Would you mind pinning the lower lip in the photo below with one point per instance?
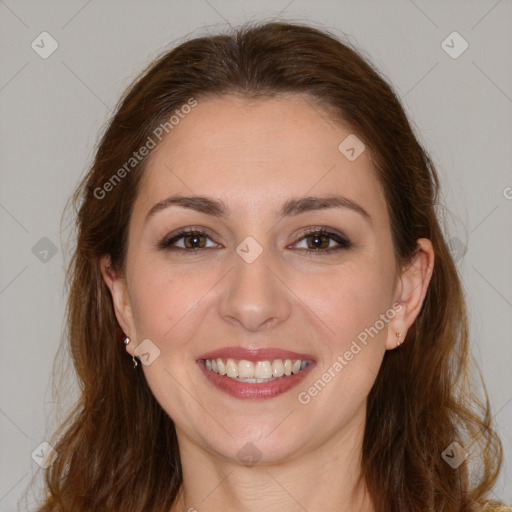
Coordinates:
(257, 390)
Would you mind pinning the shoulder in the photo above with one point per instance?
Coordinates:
(492, 506)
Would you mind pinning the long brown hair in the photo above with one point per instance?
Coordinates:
(117, 450)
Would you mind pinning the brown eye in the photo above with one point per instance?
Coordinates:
(192, 241)
(319, 240)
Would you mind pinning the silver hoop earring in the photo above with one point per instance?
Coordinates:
(135, 363)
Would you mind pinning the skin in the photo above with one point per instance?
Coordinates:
(255, 155)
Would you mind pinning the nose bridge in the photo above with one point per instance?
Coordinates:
(253, 295)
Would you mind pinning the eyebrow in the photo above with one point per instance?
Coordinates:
(292, 207)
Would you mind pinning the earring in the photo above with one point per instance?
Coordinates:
(135, 363)
(398, 335)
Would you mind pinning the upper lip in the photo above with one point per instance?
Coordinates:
(255, 354)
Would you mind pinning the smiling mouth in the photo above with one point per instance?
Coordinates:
(254, 372)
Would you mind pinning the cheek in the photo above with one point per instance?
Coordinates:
(348, 301)
(335, 306)
(163, 300)
(351, 333)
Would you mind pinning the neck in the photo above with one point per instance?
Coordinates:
(324, 478)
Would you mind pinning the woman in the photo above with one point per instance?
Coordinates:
(258, 233)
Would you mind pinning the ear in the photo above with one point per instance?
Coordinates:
(410, 293)
(116, 283)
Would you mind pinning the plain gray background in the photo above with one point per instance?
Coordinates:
(53, 108)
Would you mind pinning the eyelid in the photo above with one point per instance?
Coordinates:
(341, 239)
(181, 233)
(322, 229)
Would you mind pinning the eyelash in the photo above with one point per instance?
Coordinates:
(344, 243)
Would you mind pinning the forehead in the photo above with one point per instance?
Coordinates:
(259, 153)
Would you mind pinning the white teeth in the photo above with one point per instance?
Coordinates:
(246, 369)
(296, 366)
(253, 381)
(221, 366)
(278, 368)
(231, 368)
(263, 370)
(260, 371)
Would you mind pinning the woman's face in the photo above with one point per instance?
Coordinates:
(248, 290)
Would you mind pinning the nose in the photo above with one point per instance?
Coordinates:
(254, 297)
